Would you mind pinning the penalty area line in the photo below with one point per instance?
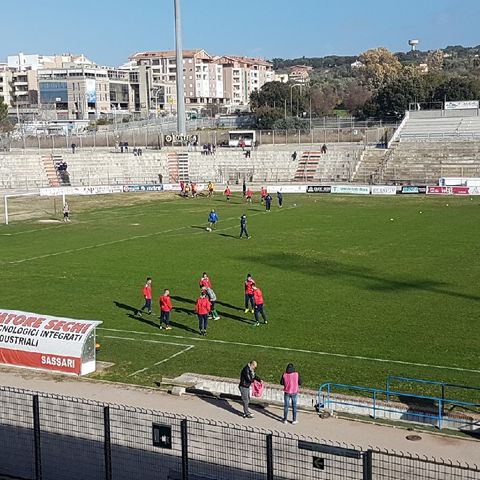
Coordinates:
(300, 350)
(184, 350)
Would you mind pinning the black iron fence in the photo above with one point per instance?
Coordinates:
(53, 437)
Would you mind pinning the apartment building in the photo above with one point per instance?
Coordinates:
(5, 84)
(242, 76)
(80, 93)
(300, 74)
(71, 87)
(202, 76)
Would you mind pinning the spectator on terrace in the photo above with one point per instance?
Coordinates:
(324, 149)
(126, 146)
(135, 151)
(74, 146)
(294, 156)
(122, 146)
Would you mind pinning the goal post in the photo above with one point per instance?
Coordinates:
(10, 196)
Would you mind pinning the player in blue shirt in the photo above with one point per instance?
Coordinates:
(212, 220)
(243, 226)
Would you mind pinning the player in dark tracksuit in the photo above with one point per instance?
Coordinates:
(243, 226)
(268, 202)
(280, 198)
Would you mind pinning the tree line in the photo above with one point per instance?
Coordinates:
(380, 84)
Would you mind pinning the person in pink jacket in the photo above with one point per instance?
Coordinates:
(291, 381)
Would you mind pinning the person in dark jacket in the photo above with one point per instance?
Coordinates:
(243, 226)
(268, 202)
(280, 198)
(291, 381)
(247, 376)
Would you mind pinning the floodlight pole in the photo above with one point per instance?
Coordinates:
(181, 124)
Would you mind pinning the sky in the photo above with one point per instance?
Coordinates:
(109, 31)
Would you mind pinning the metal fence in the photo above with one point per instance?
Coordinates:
(153, 136)
(45, 437)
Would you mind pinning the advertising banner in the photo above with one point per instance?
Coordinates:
(143, 188)
(461, 105)
(173, 138)
(90, 90)
(351, 189)
(171, 187)
(92, 190)
(49, 343)
(439, 190)
(319, 189)
(459, 181)
(287, 188)
(474, 190)
(384, 190)
(411, 189)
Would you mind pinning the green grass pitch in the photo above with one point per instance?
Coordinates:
(351, 296)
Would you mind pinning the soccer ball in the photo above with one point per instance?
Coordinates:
(208, 229)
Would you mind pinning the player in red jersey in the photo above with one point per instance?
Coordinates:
(202, 309)
(249, 195)
(227, 193)
(205, 281)
(258, 299)
(147, 296)
(249, 284)
(165, 309)
(263, 193)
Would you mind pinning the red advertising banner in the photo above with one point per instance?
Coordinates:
(46, 342)
(437, 190)
(58, 363)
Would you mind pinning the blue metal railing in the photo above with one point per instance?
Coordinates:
(443, 385)
(377, 402)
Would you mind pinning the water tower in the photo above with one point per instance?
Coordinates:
(413, 44)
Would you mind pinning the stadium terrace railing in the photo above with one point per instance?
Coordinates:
(45, 436)
(439, 136)
(152, 136)
(379, 403)
(443, 386)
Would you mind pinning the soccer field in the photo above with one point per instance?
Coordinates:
(351, 295)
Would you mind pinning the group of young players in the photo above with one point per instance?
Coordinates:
(187, 189)
(205, 305)
(247, 193)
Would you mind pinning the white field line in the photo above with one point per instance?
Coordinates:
(113, 242)
(300, 350)
(40, 229)
(184, 350)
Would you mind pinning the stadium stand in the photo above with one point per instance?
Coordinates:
(426, 162)
(104, 167)
(443, 128)
(369, 168)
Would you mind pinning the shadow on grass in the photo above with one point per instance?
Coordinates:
(229, 305)
(124, 306)
(227, 235)
(222, 313)
(363, 277)
(181, 326)
(197, 227)
(132, 312)
(231, 316)
(148, 321)
(183, 299)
